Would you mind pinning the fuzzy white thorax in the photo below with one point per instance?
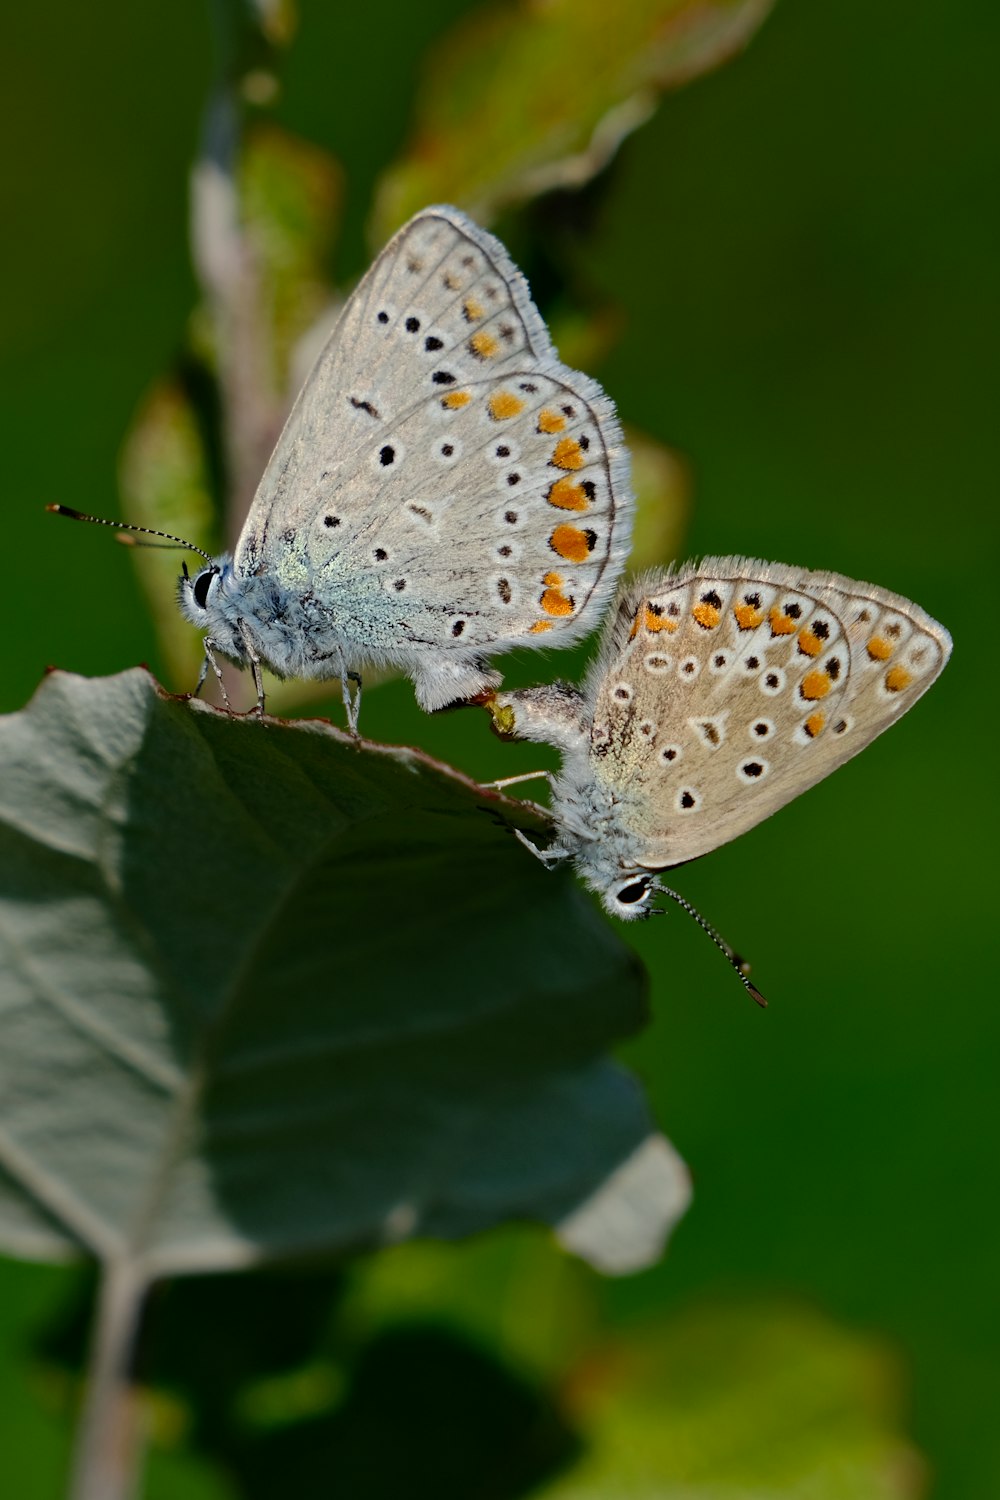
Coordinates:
(588, 812)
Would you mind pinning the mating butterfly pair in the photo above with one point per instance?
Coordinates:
(445, 490)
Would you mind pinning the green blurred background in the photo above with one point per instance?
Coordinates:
(800, 252)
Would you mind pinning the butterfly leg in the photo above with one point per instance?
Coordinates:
(548, 857)
(210, 661)
(258, 683)
(352, 701)
(506, 781)
(254, 659)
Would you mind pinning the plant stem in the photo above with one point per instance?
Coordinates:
(106, 1462)
(226, 262)
(226, 266)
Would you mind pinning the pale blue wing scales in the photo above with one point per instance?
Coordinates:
(443, 480)
(477, 524)
(373, 368)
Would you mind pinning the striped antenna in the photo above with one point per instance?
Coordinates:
(739, 964)
(123, 526)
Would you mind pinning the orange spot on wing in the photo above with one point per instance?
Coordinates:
(483, 344)
(656, 620)
(815, 685)
(814, 724)
(567, 454)
(879, 649)
(635, 625)
(567, 495)
(539, 626)
(707, 615)
(472, 309)
(809, 644)
(898, 678)
(555, 602)
(571, 543)
(781, 624)
(747, 617)
(554, 580)
(550, 421)
(451, 281)
(504, 404)
(455, 399)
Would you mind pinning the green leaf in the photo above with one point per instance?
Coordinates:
(523, 98)
(268, 991)
(731, 1401)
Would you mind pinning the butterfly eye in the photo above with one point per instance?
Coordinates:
(629, 894)
(201, 586)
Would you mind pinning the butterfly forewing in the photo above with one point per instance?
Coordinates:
(723, 693)
(442, 474)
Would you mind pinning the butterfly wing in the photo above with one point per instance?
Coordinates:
(443, 482)
(723, 692)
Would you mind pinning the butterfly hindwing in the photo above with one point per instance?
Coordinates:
(721, 693)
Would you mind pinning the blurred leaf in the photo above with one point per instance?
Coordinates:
(584, 340)
(263, 244)
(743, 1402)
(662, 486)
(166, 485)
(291, 193)
(511, 1291)
(277, 19)
(425, 1414)
(269, 991)
(521, 98)
(248, 1380)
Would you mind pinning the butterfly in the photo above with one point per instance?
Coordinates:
(444, 488)
(719, 693)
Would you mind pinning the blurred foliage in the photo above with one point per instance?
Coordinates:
(526, 97)
(260, 1384)
(173, 472)
(797, 257)
(166, 483)
(743, 1402)
(290, 196)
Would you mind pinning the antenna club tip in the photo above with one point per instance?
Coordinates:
(742, 967)
(739, 963)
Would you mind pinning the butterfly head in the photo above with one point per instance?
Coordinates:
(207, 599)
(199, 587)
(628, 895)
